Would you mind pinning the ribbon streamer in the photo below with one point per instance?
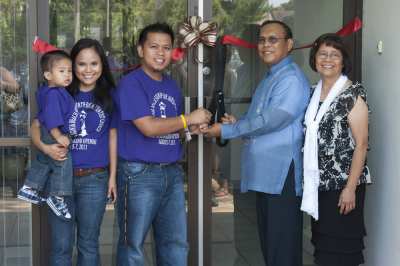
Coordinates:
(233, 40)
(177, 54)
(194, 31)
(353, 26)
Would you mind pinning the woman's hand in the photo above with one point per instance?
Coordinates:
(112, 187)
(347, 200)
(56, 151)
(63, 140)
(112, 190)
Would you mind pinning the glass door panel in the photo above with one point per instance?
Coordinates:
(234, 235)
(14, 75)
(15, 215)
(116, 24)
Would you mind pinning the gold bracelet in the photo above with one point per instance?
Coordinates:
(184, 121)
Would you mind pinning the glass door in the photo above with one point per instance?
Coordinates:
(116, 24)
(222, 228)
(15, 90)
(233, 226)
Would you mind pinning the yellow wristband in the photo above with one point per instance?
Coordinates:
(184, 121)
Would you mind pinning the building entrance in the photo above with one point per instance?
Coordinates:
(221, 221)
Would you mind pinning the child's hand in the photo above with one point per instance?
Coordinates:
(63, 140)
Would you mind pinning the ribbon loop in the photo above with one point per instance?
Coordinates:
(194, 31)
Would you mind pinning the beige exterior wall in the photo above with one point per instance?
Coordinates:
(381, 77)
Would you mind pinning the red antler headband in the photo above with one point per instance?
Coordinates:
(42, 47)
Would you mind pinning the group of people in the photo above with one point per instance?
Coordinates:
(103, 143)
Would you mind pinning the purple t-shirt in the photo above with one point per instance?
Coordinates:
(55, 107)
(91, 125)
(138, 95)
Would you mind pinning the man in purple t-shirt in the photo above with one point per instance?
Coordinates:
(55, 107)
(150, 181)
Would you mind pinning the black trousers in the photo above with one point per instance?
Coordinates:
(280, 225)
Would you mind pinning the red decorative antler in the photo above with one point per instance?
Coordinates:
(42, 47)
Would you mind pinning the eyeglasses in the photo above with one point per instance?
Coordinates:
(270, 40)
(333, 56)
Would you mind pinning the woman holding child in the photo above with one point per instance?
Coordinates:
(93, 156)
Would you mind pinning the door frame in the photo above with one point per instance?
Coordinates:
(351, 9)
(40, 226)
(39, 25)
(199, 213)
(14, 142)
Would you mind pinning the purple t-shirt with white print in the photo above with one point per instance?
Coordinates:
(55, 107)
(91, 124)
(138, 95)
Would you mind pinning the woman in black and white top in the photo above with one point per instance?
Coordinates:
(335, 150)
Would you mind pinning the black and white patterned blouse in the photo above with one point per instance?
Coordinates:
(335, 142)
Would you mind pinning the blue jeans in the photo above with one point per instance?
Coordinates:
(87, 206)
(55, 175)
(151, 194)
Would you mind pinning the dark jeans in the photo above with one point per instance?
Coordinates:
(151, 195)
(280, 225)
(87, 206)
(55, 175)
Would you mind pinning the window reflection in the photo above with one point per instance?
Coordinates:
(14, 77)
(116, 24)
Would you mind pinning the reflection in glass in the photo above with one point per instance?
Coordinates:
(14, 78)
(15, 215)
(116, 24)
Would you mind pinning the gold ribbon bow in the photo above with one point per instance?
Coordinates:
(195, 31)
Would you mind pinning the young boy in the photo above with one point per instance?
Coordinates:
(55, 106)
(150, 183)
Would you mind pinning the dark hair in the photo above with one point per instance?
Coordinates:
(159, 27)
(105, 84)
(286, 28)
(335, 41)
(48, 59)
